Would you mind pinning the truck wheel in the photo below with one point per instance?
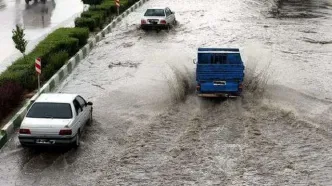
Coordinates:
(27, 1)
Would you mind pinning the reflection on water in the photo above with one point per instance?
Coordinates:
(2, 4)
(38, 14)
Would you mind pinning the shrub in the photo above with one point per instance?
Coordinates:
(67, 40)
(98, 16)
(99, 13)
(81, 34)
(105, 7)
(56, 61)
(63, 39)
(109, 8)
(22, 74)
(56, 43)
(11, 94)
(85, 22)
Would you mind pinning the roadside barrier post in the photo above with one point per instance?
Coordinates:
(117, 3)
(38, 70)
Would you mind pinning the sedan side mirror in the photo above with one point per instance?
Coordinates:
(173, 12)
(89, 103)
(194, 61)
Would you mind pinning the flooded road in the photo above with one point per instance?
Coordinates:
(149, 128)
(37, 18)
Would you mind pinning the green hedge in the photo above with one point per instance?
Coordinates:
(63, 39)
(105, 7)
(108, 6)
(97, 15)
(22, 74)
(56, 62)
(85, 22)
(68, 40)
(91, 20)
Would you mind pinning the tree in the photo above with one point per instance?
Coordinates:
(18, 38)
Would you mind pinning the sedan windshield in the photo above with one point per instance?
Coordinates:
(50, 110)
(155, 12)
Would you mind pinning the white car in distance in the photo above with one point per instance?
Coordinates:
(55, 119)
(158, 18)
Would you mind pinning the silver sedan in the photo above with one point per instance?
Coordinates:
(55, 119)
(158, 18)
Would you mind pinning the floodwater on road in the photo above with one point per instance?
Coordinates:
(37, 18)
(149, 127)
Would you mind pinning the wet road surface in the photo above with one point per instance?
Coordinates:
(37, 18)
(150, 129)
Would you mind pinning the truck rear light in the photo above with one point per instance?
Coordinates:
(25, 131)
(240, 87)
(65, 132)
(198, 87)
(163, 22)
(143, 22)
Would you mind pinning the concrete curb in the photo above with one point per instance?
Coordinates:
(9, 129)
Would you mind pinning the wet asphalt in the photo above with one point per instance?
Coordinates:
(37, 18)
(149, 128)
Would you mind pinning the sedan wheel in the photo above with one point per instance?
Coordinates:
(77, 142)
(90, 119)
(23, 145)
(168, 27)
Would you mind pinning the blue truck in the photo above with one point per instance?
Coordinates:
(219, 72)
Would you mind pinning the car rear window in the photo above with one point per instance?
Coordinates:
(50, 110)
(155, 12)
